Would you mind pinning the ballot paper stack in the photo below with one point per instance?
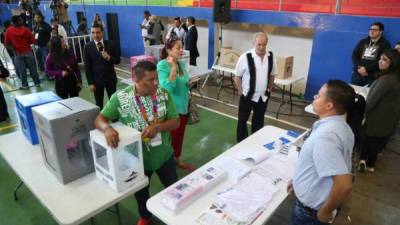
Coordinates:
(184, 192)
(247, 199)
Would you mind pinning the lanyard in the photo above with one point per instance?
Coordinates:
(143, 109)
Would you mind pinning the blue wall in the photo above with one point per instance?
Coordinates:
(334, 35)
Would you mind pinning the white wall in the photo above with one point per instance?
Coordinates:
(283, 41)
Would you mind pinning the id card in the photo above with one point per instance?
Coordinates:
(156, 141)
(36, 36)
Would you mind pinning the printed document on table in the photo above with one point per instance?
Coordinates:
(235, 169)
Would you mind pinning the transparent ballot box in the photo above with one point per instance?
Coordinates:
(122, 167)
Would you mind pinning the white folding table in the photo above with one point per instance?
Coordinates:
(189, 214)
(69, 204)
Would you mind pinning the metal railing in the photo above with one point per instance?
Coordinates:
(77, 45)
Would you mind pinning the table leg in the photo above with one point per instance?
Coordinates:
(205, 81)
(118, 214)
(16, 189)
(290, 98)
(282, 101)
(221, 83)
(233, 84)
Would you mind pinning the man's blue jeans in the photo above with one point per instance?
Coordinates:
(23, 62)
(303, 215)
(41, 55)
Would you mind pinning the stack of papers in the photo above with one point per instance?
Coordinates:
(235, 169)
(181, 194)
(277, 167)
(244, 201)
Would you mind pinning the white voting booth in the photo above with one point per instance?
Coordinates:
(122, 167)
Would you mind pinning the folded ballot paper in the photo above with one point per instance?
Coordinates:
(244, 201)
(184, 192)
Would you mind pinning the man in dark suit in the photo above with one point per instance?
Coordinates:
(191, 40)
(100, 57)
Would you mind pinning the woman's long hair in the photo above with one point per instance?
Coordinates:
(56, 50)
(394, 57)
(345, 100)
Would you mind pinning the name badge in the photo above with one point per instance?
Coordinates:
(156, 141)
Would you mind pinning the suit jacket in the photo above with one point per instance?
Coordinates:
(191, 42)
(382, 110)
(98, 70)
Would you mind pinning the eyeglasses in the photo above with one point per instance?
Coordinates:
(374, 29)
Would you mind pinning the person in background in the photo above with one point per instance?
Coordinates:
(191, 40)
(3, 104)
(382, 111)
(60, 30)
(61, 65)
(82, 27)
(178, 30)
(19, 38)
(10, 52)
(149, 109)
(3, 107)
(366, 55)
(97, 20)
(397, 46)
(100, 56)
(154, 31)
(323, 180)
(255, 74)
(145, 26)
(42, 31)
(174, 77)
(26, 13)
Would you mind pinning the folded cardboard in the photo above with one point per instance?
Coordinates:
(63, 130)
(122, 167)
(228, 57)
(24, 104)
(284, 66)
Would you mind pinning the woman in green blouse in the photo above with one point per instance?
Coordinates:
(174, 77)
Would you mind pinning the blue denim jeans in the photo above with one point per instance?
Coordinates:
(23, 62)
(304, 216)
(41, 55)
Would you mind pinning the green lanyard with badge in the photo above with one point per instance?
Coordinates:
(157, 140)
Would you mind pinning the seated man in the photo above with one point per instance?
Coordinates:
(149, 109)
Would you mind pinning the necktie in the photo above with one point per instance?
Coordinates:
(100, 46)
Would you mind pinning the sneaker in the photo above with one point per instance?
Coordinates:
(362, 166)
(37, 85)
(24, 87)
(143, 221)
(371, 169)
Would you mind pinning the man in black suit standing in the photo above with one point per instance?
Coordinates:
(191, 40)
(100, 57)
